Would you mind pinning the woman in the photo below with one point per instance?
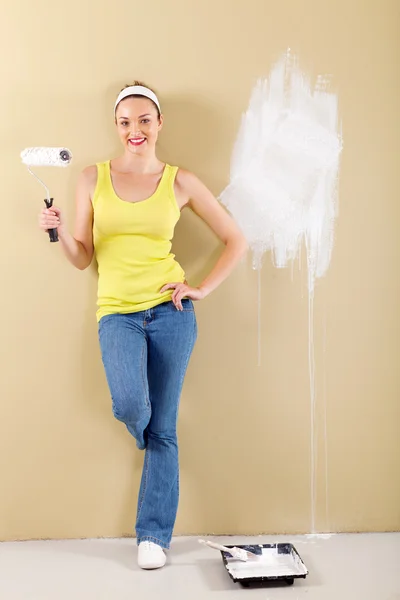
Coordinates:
(126, 211)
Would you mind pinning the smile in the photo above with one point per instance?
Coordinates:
(136, 141)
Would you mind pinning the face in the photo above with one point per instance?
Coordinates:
(138, 124)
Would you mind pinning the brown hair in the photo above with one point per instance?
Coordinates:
(140, 96)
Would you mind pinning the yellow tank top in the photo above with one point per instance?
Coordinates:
(132, 242)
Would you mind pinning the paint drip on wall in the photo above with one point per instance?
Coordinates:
(283, 182)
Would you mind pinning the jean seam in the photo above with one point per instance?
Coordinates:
(146, 394)
(146, 470)
(189, 353)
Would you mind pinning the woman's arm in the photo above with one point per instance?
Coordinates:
(205, 205)
(77, 248)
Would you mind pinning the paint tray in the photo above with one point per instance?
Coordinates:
(276, 562)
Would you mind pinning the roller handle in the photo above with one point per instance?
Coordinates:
(53, 235)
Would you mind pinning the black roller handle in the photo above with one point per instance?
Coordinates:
(53, 234)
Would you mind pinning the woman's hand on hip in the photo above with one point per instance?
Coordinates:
(182, 290)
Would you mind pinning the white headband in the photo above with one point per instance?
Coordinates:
(139, 90)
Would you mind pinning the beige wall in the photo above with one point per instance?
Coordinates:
(67, 468)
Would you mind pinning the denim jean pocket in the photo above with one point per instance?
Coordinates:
(103, 321)
(187, 305)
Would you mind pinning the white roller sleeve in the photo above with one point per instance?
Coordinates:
(46, 157)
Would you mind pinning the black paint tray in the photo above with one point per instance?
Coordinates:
(277, 562)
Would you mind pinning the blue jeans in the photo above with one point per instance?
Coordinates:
(145, 356)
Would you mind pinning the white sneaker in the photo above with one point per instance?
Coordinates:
(151, 556)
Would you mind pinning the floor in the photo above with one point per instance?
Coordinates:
(341, 567)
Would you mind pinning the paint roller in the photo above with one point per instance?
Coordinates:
(46, 157)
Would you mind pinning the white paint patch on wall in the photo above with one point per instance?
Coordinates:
(283, 184)
(284, 169)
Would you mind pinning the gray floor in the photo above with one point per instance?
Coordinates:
(341, 567)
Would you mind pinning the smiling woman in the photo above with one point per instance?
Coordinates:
(126, 212)
(138, 129)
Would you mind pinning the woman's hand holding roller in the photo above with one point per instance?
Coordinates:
(51, 218)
